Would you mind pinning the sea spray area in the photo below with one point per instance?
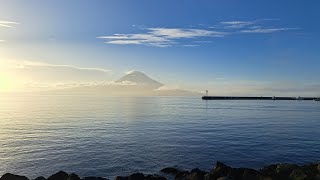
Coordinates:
(219, 172)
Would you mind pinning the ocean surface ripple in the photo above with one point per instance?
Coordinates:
(109, 136)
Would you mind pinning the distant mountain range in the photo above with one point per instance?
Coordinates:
(134, 83)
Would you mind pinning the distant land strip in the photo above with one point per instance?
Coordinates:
(258, 98)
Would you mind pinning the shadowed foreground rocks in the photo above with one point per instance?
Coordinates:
(219, 172)
(272, 172)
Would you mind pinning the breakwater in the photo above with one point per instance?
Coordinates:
(219, 172)
(258, 98)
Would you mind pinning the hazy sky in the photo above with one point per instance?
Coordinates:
(262, 47)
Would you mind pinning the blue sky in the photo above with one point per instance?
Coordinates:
(196, 45)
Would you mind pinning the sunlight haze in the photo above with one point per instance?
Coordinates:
(47, 45)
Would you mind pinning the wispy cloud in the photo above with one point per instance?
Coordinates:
(244, 24)
(175, 33)
(26, 64)
(161, 37)
(46, 72)
(7, 24)
(237, 24)
(266, 30)
(191, 45)
(191, 37)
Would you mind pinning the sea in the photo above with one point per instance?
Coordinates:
(109, 136)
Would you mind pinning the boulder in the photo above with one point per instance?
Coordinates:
(311, 170)
(94, 178)
(283, 171)
(182, 175)
(154, 177)
(269, 170)
(73, 177)
(61, 175)
(196, 174)
(297, 174)
(121, 178)
(40, 178)
(134, 176)
(251, 174)
(235, 173)
(9, 176)
(170, 170)
(222, 178)
(220, 170)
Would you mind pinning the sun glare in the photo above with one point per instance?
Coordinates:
(4, 84)
(7, 83)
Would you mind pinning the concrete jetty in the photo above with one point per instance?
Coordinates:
(258, 98)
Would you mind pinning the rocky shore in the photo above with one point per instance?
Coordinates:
(219, 172)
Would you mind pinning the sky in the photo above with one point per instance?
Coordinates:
(228, 47)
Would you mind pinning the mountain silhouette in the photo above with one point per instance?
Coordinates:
(134, 83)
(140, 79)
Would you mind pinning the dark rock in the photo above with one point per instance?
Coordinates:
(181, 175)
(61, 175)
(154, 177)
(288, 171)
(235, 173)
(40, 178)
(9, 176)
(269, 171)
(136, 176)
(73, 177)
(311, 170)
(196, 174)
(297, 174)
(121, 178)
(284, 170)
(220, 170)
(208, 176)
(196, 170)
(222, 178)
(251, 174)
(170, 170)
(94, 178)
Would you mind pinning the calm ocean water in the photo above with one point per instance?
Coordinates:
(106, 136)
